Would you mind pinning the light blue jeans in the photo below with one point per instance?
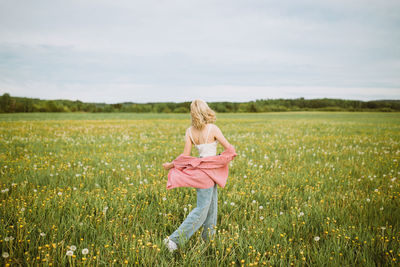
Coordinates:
(205, 214)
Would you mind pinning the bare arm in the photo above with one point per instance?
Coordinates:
(188, 145)
(221, 138)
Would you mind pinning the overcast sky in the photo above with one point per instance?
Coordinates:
(155, 51)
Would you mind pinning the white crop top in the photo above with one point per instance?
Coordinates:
(206, 149)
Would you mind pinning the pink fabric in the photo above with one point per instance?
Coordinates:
(200, 172)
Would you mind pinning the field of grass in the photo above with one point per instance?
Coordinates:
(306, 189)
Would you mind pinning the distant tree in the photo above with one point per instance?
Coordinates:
(5, 102)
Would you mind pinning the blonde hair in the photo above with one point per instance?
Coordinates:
(201, 114)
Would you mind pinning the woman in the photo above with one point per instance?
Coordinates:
(205, 136)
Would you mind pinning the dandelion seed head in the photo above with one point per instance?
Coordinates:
(70, 253)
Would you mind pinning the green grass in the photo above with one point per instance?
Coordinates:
(95, 181)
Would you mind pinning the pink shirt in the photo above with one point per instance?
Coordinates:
(196, 172)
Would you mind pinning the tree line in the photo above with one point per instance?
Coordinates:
(10, 104)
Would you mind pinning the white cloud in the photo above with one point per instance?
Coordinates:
(173, 44)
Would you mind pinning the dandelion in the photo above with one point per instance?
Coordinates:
(254, 202)
(316, 238)
(245, 176)
(70, 253)
(252, 191)
(164, 198)
(281, 213)
(59, 193)
(301, 214)
(184, 209)
(105, 209)
(6, 239)
(261, 218)
(73, 248)
(5, 190)
(232, 203)
(225, 202)
(42, 234)
(376, 190)
(368, 200)
(22, 209)
(261, 207)
(5, 255)
(85, 251)
(11, 238)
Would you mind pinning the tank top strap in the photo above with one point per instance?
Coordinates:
(190, 134)
(208, 132)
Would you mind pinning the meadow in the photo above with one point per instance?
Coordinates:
(306, 189)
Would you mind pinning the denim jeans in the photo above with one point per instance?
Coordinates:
(205, 214)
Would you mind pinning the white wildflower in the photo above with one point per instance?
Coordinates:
(70, 253)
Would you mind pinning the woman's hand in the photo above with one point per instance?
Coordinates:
(168, 165)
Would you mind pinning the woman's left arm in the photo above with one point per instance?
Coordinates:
(188, 144)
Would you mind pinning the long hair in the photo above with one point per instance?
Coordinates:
(201, 114)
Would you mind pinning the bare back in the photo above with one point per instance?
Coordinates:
(209, 134)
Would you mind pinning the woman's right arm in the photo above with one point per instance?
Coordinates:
(221, 138)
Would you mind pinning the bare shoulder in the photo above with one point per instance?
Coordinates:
(187, 132)
(215, 128)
